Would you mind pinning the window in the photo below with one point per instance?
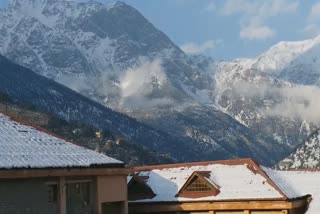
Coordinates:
(52, 193)
(80, 191)
(197, 186)
(73, 189)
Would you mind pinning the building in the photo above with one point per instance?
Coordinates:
(42, 173)
(216, 187)
(300, 182)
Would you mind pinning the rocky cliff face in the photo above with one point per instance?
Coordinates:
(306, 155)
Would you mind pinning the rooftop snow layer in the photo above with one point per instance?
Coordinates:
(236, 181)
(298, 183)
(23, 146)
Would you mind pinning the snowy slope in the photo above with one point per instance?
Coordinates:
(90, 47)
(283, 58)
(274, 93)
(27, 88)
(306, 156)
(109, 54)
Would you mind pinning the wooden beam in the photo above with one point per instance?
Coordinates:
(36, 173)
(299, 203)
(62, 191)
(205, 206)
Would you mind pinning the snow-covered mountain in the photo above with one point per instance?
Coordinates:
(306, 156)
(113, 55)
(27, 88)
(284, 59)
(94, 48)
(274, 94)
(290, 61)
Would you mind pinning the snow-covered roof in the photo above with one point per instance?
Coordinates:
(297, 183)
(24, 146)
(237, 180)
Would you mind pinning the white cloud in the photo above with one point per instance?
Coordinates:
(144, 87)
(140, 87)
(256, 32)
(292, 101)
(194, 48)
(254, 15)
(137, 81)
(298, 102)
(313, 21)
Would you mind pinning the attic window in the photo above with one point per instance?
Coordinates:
(199, 185)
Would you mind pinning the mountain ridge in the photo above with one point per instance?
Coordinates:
(115, 56)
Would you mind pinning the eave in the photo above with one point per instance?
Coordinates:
(36, 173)
(158, 207)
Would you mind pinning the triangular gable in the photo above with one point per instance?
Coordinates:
(198, 185)
(138, 188)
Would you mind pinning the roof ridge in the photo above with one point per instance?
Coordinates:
(240, 161)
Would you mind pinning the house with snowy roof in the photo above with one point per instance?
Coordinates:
(220, 187)
(42, 173)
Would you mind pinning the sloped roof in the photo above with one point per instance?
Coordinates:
(297, 183)
(237, 180)
(24, 146)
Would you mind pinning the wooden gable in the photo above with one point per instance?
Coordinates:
(198, 185)
(138, 189)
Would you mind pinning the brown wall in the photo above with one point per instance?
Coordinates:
(112, 189)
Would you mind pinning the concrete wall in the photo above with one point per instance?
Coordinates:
(30, 196)
(21, 196)
(112, 189)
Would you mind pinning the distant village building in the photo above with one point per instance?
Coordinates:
(221, 187)
(43, 174)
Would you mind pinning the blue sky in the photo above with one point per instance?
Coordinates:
(228, 29)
